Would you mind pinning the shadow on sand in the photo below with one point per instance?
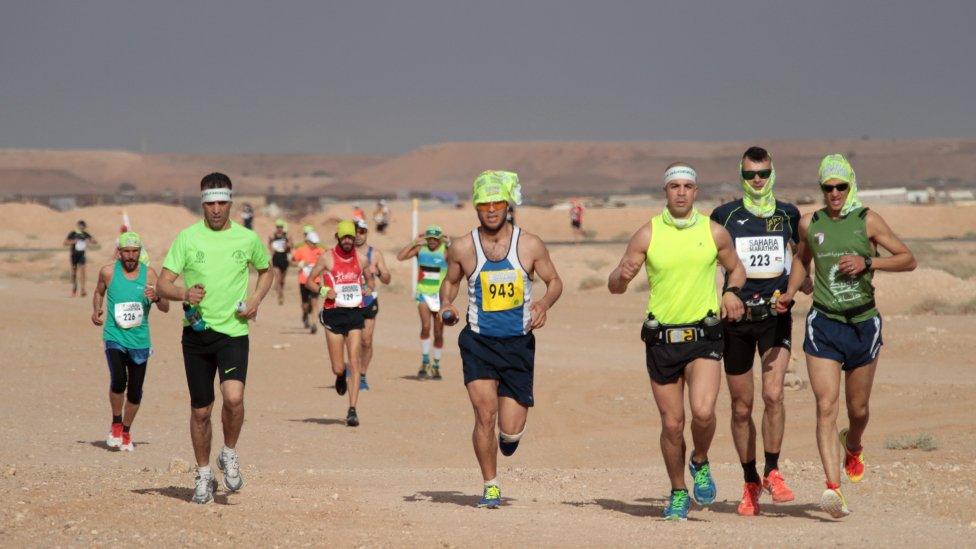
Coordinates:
(182, 493)
(104, 445)
(655, 508)
(451, 496)
(321, 420)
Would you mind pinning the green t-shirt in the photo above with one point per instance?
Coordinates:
(218, 260)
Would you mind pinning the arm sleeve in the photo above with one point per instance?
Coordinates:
(176, 256)
(259, 255)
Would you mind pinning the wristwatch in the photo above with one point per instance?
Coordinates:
(867, 263)
(733, 289)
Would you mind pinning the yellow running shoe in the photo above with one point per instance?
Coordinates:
(833, 503)
(853, 461)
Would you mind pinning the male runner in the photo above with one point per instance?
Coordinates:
(576, 218)
(78, 241)
(131, 289)
(342, 269)
(306, 256)
(279, 245)
(499, 261)
(371, 304)
(247, 216)
(381, 216)
(843, 331)
(764, 232)
(213, 256)
(430, 249)
(683, 333)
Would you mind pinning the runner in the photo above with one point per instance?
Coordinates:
(131, 289)
(279, 245)
(843, 331)
(358, 213)
(764, 232)
(247, 216)
(77, 241)
(213, 257)
(683, 334)
(306, 256)
(430, 249)
(381, 216)
(342, 270)
(499, 261)
(371, 305)
(576, 218)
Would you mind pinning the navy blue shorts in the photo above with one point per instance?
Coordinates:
(510, 360)
(853, 345)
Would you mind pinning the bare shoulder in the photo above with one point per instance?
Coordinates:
(719, 233)
(461, 245)
(531, 242)
(106, 271)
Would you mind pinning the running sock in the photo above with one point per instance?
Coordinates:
(492, 482)
(749, 472)
(697, 464)
(676, 490)
(125, 428)
(205, 471)
(425, 347)
(437, 353)
(833, 485)
(116, 419)
(226, 450)
(772, 462)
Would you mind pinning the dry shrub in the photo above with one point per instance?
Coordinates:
(921, 441)
(591, 282)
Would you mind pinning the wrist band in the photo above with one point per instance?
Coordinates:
(733, 289)
(323, 291)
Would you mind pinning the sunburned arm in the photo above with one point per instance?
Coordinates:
(631, 262)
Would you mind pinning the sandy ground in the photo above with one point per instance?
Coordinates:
(589, 471)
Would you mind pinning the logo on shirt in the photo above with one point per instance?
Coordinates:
(741, 221)
(774, 224)
(239, 256)
(819, 237)
(198, 257)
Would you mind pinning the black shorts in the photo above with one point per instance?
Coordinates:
(307, 295)
(666, 361)
(280, 261)
(743, 338)
(342, 320)
(510, 360)
(853, 345)
(78, 258)
(381, 226)
(207, 353)
(370, 311)
(576, 223)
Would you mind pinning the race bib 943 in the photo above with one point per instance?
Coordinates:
(502, 290)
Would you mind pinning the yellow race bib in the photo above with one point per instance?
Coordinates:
(501, 290)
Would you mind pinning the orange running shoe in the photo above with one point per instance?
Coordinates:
(127, 444)
(114, 439)
(776, 486)
(749, 506)
(853, 461)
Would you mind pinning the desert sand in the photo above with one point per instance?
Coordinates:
(588, 473)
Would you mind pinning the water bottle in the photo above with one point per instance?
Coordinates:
(772, 303)
(193, 318)
(711, 319)
(651, 323)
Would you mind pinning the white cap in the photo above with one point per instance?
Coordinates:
(312, 237)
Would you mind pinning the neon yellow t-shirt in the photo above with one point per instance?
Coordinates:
(218, 260)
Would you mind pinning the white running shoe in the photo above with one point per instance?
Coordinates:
(114, 439)
(229, 463)
(833, 502)
(127, 444)
(205, 487)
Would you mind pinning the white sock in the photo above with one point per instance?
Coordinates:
(205, 471)
(511, 438)
(425, 346)
(437, 353)
(492, 482)
(229, 451)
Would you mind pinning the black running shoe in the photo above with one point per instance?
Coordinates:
(340, 384)
(507, 448)
(352, 420)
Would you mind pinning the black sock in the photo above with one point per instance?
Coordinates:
(125, 428)
(116, 419)
(675, 490)
(749, 472)
(772, 462)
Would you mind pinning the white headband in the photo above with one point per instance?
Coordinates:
(215, 195)
(680, 172)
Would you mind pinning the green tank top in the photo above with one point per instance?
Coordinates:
(681, 268)
(432, 268)
(829, 239)
(127, 310)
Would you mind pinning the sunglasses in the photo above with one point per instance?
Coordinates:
(489, 206)
(750, 174)
(830, 188)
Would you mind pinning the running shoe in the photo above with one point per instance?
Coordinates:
(853, 461)
(114, 439)
(704, 484)
(313, 328)
(492, 497)
(435, 372)
(230, 464)
(341, 385)
(422, 372)
(352, 419)
(507, 448)
(749, 506)
(833, 503)
(127, 444)
(677, 508)
(363, 385)
(305, 322)
(775, 484)
(203, 491)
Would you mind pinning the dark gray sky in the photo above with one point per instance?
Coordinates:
(385, 77)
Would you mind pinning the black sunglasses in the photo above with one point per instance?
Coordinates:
(830, 188)
(750, 174)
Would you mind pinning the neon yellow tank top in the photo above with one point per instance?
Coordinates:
(681, 269)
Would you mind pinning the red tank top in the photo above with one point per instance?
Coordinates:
(345, 279)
